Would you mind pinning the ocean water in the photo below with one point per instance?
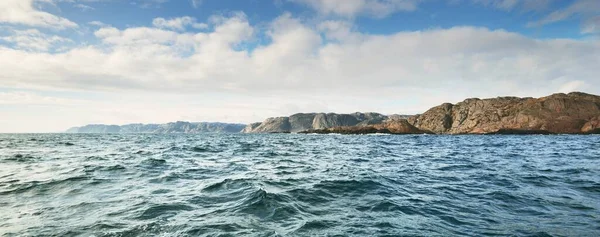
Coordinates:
(298, 185)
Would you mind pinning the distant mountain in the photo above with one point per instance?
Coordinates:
(175, 127)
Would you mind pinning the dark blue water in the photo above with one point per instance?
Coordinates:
(299, 185)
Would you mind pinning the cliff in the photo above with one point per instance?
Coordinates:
(175, 127)
(310, 121)
(398, 126)
(573, 113)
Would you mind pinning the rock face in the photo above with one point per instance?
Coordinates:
(592, 126)
(311, 121)
(273, 125)
(401, 126)
(398, 126)
(176, 127)
(572, 113)
(250, 127)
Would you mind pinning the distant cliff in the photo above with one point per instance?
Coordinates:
(313, 121)
(175, 127)
(573, 113)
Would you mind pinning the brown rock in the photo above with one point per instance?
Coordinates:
(399, 126)
(592, 126)
(559, 113)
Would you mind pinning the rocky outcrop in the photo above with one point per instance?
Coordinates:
(310, 121)
(401, 126)
(175, 127)
(572, 113)
(397, 126)
(520, 132)
(592, 126)
(250, 127)
(273, 125)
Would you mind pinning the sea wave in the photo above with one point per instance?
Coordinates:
(298, 185)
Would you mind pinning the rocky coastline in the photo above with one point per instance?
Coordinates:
(572, 113)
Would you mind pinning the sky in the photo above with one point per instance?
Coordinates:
(67, 63)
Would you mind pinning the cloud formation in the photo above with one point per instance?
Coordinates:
(509, 5)
(383, 8)
(351, 8)
(196, 3)
(588, 10)
(23, 12)
(179, 23)
(33, 40)
(298, 59)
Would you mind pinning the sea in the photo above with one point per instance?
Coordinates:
(299, 185)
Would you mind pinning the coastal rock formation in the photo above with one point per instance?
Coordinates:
(401, 126)
(175, 127)
(572, 113)
(592, 126)
(273, 125)
(310, 121)
(398, 126)
(250, 127)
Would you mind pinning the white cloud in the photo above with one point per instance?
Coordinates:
(196, 3)
(351, 8)
(201, 26)
(297, 59)
(23, 12)
(502, 4)
(523, 5)
(84, 7)
(149, 3)
(324, 67)
(34, 40)
(588, 10)
(97, 23)
(179, 23)
(338, 30)
(383, 8)
(591, 25)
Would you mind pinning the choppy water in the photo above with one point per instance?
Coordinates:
(299, 185)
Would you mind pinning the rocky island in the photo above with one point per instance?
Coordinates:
(573, 113)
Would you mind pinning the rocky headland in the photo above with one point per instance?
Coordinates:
(573, 113)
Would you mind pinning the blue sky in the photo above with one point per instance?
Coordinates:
(74, 62)
(427, 15)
